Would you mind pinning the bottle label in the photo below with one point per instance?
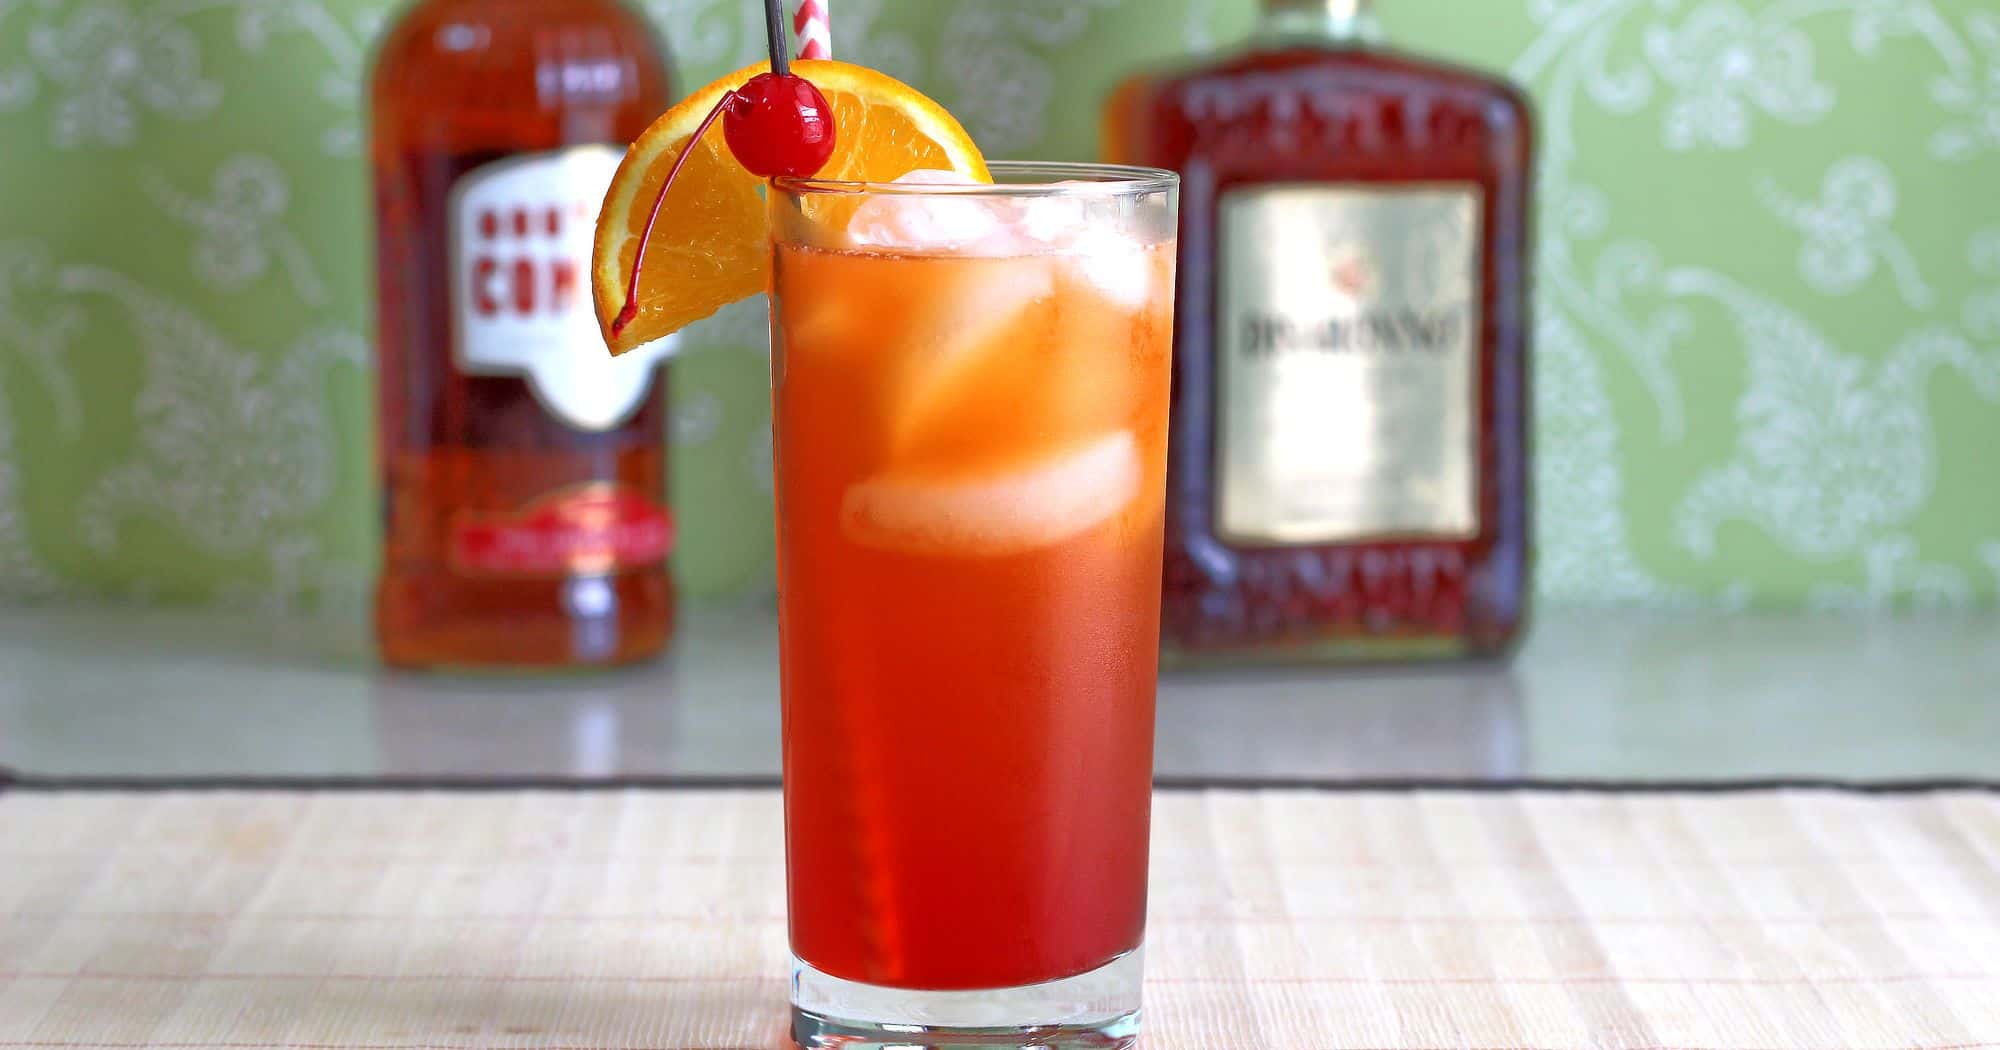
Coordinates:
(590, 530)
(1347, 363)
(521, 234)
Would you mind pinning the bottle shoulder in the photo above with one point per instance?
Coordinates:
(1257, 71)
(498, 76)
(1329, 106)
(458, 41)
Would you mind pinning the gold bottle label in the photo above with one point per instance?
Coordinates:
(1347, 363)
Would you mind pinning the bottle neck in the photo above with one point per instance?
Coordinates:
(1341, 23)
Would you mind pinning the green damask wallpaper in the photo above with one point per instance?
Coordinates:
(1769, 348)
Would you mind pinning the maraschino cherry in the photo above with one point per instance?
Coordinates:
(777, 125)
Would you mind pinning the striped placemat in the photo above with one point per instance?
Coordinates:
(1281, 919)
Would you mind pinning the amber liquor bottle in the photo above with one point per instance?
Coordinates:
(525, 505)
(1349, 465)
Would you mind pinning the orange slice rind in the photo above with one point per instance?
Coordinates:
(710, 247)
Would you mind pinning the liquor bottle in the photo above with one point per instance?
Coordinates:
(1348, 475)
(526, 518)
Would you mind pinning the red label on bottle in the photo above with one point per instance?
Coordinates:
(590, 530)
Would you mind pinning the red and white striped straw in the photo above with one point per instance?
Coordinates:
(815, 34)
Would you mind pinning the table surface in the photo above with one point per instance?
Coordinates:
(1602, 695)
(1279, 919)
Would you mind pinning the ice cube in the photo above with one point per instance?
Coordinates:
(929, 222)
(962, 350)
(1048, 222)
(1012, 512)
(1088, 235)
(1117, 265)
(1101, 254)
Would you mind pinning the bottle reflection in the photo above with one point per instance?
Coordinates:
(1461, 722)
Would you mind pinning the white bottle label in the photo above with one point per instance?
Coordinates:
(521, 232)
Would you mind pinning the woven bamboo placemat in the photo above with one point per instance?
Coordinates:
(1281, 919)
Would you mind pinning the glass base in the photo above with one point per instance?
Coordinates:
(1092, 1010)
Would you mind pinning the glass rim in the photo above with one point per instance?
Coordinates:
(1037, 179)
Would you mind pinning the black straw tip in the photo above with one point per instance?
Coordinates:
(774, 24)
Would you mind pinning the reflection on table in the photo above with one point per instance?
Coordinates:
(1617, 695)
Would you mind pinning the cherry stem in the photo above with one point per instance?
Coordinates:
(774, 27)
(631, 308)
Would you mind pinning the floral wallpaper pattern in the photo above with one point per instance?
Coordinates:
(1768, 362)
(1814, 417)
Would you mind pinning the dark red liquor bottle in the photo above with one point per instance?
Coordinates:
(526, 521)
(1348, 472)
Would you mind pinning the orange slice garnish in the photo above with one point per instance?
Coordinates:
(710, 246)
